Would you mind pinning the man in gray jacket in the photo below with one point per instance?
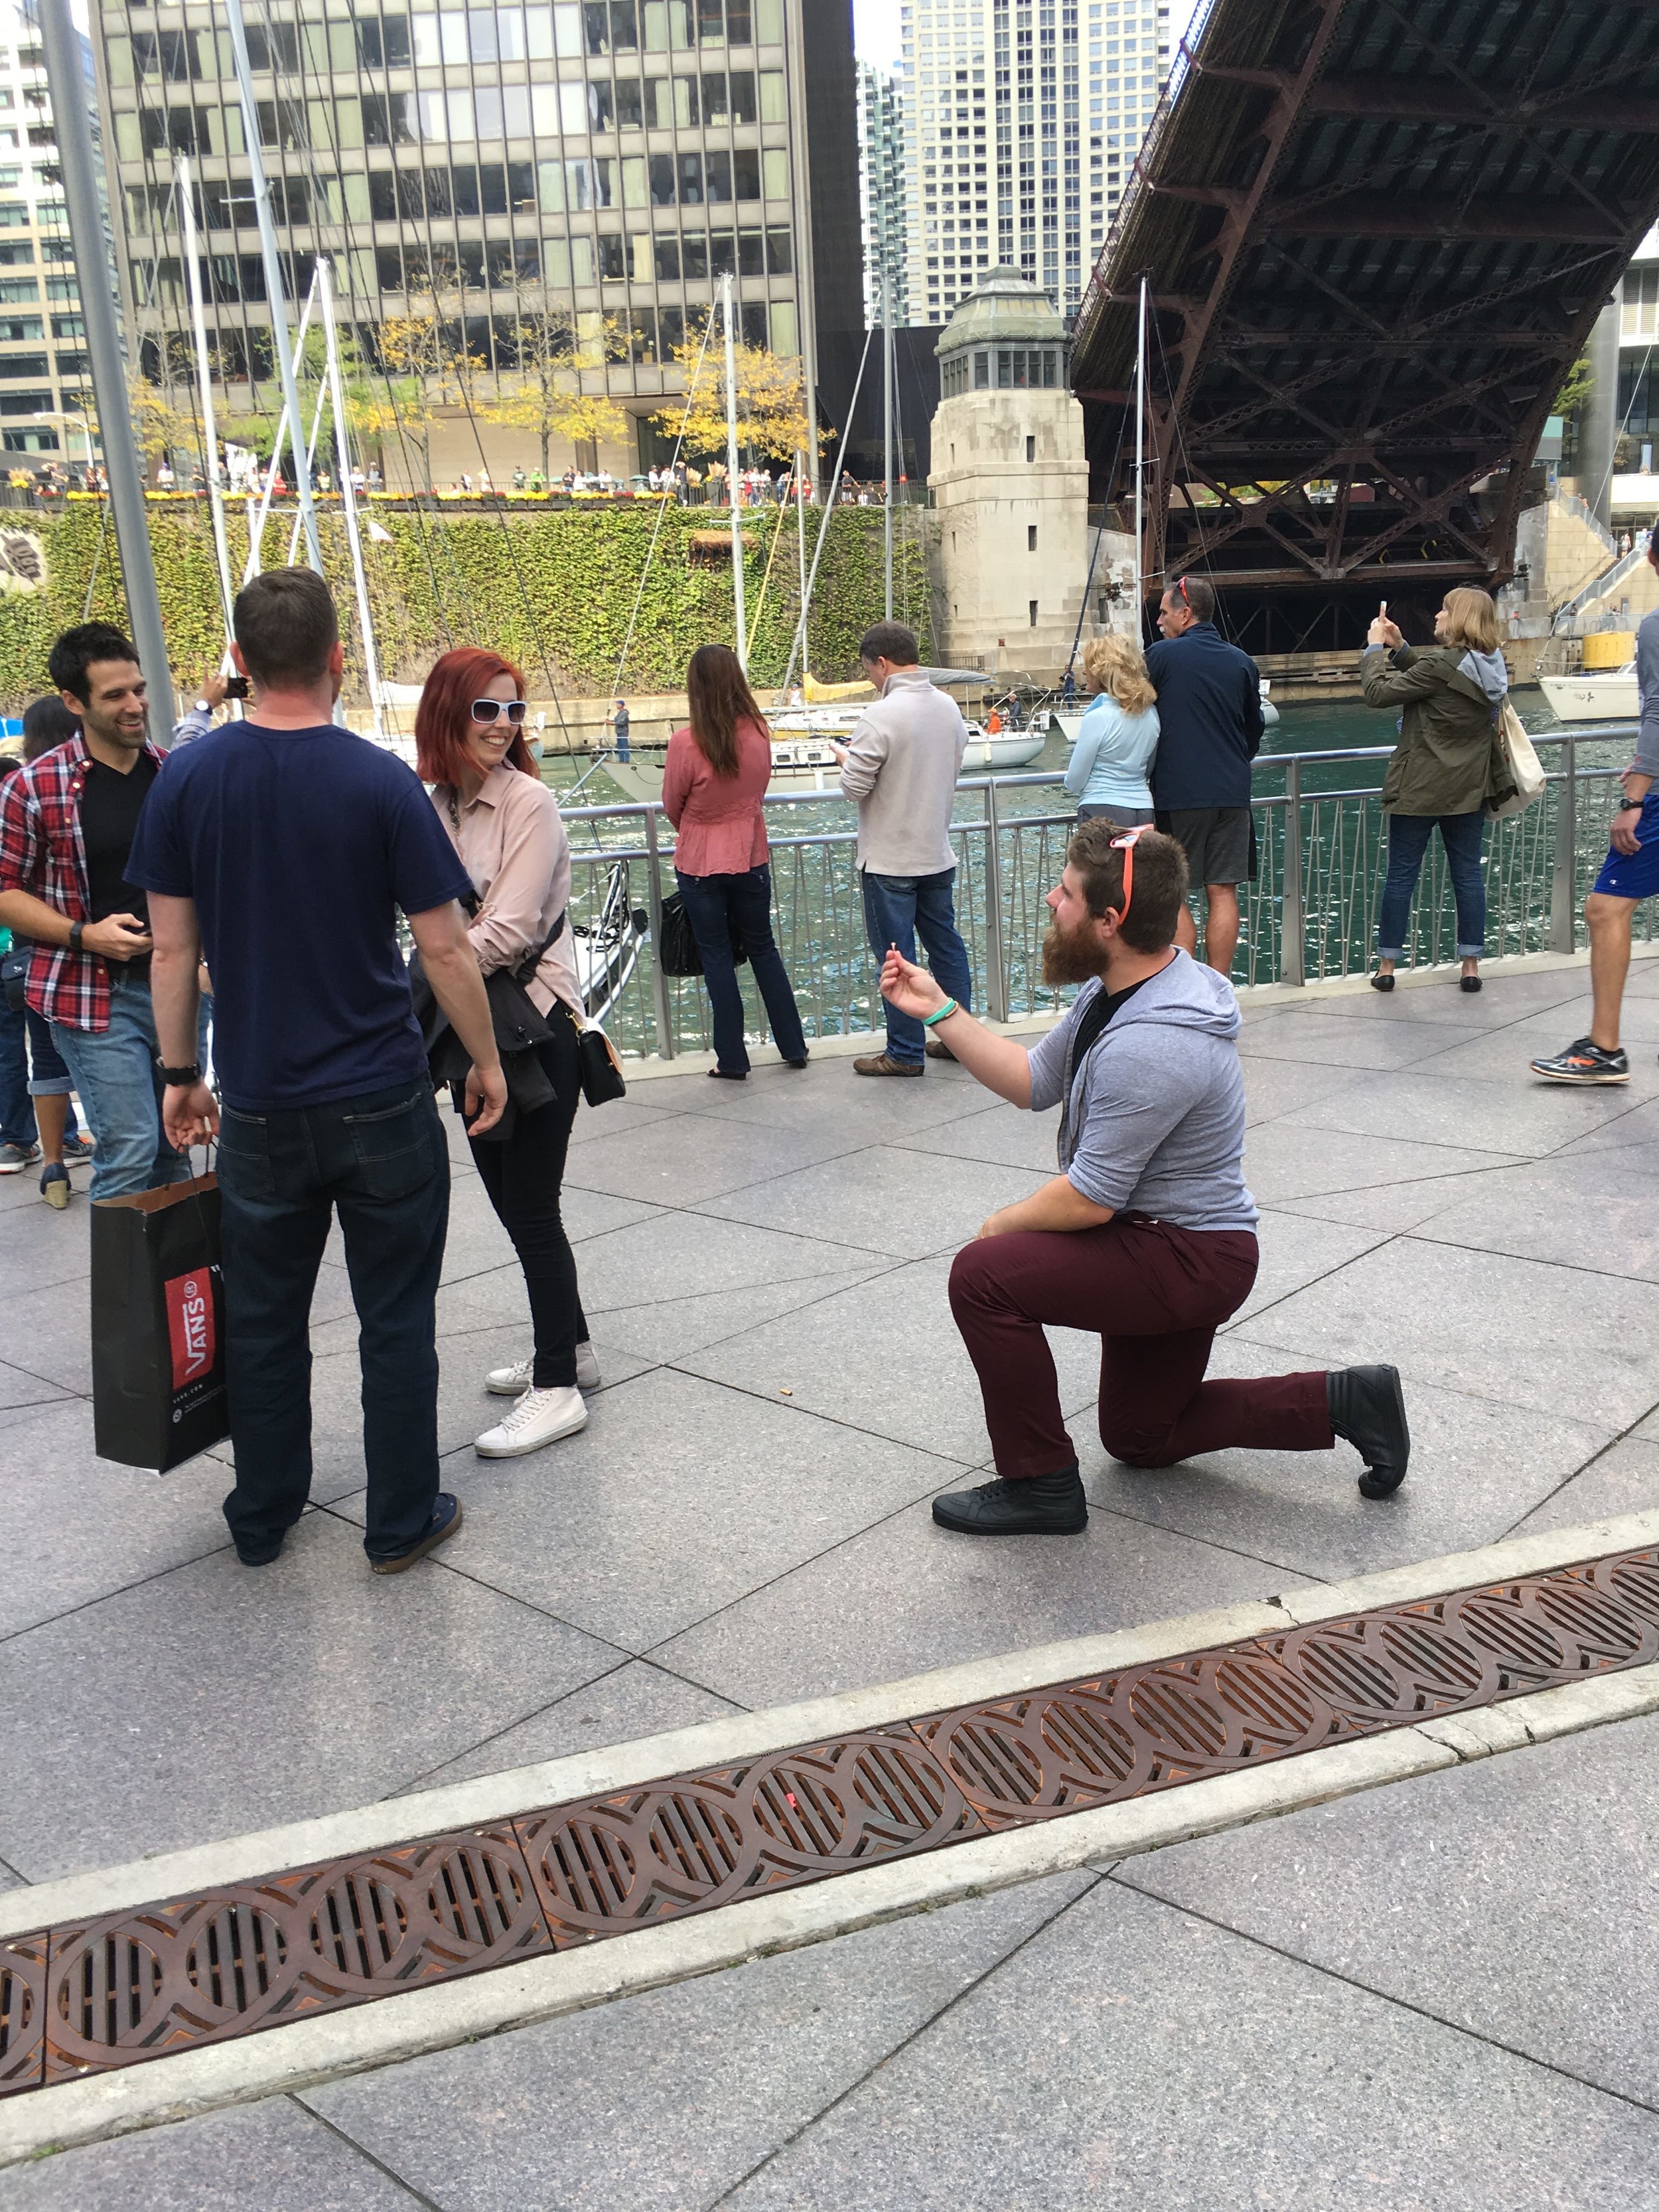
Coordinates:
(1148, 1234)
(901, 771)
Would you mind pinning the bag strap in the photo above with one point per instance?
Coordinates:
(525, 972)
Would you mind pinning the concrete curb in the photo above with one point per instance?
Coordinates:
(282, 2060)
(492, 1797)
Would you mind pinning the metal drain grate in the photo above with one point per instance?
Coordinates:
(85, 1999)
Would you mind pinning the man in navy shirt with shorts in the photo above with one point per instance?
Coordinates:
(1629, 874)
(282, 847)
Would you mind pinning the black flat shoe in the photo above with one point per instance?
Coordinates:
(1368, 1408)
(729, 1074)
(1382, 982)
(1043, 1505)
(801, 1062)
(1468, 982)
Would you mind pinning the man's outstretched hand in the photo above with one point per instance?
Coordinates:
(910, 988)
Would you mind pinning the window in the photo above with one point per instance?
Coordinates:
(1031, 538)
(1033, 614)
(1030, 450)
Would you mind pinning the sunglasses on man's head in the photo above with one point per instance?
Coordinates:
(1125, 845)
(491, 710)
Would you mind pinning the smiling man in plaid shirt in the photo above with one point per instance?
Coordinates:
(66, 829)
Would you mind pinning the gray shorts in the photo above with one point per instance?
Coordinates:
(1219, 843)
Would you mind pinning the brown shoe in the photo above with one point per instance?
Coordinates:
(938, 1049)
(882, 1063)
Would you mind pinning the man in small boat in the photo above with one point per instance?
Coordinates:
(901, 772)
(1146, 1235)
(1629, 874)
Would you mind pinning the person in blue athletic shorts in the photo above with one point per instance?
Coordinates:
(1629, 874)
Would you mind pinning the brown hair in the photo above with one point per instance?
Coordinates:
(1114, 665)
(890, 641)
(1471, 618)
(285, 624)
(1159, 885)
(1193, 592)
(721, 699)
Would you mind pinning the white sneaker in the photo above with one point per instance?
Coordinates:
(513, 1381)
(541, 1417)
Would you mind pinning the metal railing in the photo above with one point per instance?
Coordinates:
(1310, 913)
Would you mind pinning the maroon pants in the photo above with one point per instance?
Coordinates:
(1157, 1294)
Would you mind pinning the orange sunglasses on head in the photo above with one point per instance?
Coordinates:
(1125, 845)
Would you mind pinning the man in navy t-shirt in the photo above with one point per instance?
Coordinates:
(282, 847)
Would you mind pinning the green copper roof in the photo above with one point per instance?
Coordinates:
(1006, 306)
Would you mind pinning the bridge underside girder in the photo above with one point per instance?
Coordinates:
(1376, 234)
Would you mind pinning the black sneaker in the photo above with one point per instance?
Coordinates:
(1584, 1062)
(446, 1520)
(1043, 1505)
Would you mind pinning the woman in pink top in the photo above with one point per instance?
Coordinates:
(715, 776)
(505, 826)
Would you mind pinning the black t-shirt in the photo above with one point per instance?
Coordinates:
(111, 803)
(1096, 1014)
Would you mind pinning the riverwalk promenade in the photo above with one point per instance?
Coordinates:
(1443, 1990)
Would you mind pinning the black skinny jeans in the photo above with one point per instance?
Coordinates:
(522, 1175)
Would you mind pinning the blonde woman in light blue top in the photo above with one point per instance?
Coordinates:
(1112, 756)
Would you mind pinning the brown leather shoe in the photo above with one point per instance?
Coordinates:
(937, 1049)
(881, 1063)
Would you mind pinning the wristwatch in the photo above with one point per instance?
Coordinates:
(182, 1077)
(204, 705)
(1631, 805)
(77, 931)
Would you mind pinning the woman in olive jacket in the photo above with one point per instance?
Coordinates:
(1448, 762)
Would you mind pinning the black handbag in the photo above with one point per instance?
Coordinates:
(601, 1066)
(519, 1025)
(678, 951)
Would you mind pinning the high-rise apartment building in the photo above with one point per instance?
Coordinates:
(44, 379)
(1024, 120)
(489, 169)
(881, 149)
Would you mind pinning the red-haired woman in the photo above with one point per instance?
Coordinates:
(714, 780)
(505, 822)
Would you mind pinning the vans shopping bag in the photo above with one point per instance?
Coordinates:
(1519, 757)
(158, 1325)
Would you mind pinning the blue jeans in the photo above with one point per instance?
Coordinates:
(1408, 841)
(383, 1162)
(715, 906)
(116, 1073)
(31, 1067)
(897, 909)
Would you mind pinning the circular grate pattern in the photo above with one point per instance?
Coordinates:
(82, 2000)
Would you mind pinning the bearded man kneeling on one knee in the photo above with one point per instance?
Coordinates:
(1147, 1234)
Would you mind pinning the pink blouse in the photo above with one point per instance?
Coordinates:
(721, 830)
(512, 843)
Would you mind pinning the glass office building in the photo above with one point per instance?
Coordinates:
(881, 147)
(1023, 119)
(608, 159)
(44, 379)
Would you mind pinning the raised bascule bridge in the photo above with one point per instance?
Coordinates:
(1375, 235)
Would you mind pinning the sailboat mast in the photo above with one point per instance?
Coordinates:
(800, 528)
(732, 489)
(1140, 469)
(348, 493)
(276, 292)
(887, 431)
(204, 384)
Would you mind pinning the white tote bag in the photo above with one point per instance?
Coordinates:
(1525, 770)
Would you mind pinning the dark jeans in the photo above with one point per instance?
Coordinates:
(382, 1161)
(1157, 1294)
(1408, 841)
(522, 1175)
(897, 909)
(31, 1067)
(715, 907)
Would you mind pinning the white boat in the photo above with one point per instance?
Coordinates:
(607, 947)
(1072, 720)
(1598, 695)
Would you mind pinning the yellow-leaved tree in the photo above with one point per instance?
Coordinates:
(555, 349)
(773, 422)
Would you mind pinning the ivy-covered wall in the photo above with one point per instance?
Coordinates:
(555, 592)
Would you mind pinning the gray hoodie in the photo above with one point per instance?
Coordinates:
(1487, 671)
(1154, 1119)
